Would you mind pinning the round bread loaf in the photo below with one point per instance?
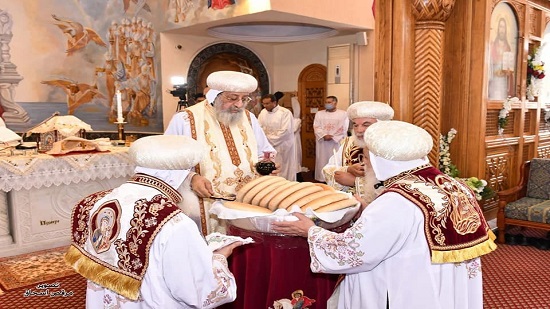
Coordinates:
(265, 191)
(311, 197)
(247, 198)
(276, 201)
(291, 199)
(338, 205)
(325, 200)
(251, 184)
(246, 207)
(265, 201)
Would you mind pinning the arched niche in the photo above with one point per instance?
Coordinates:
(228, 57)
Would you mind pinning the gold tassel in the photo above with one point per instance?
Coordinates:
(461, 255)
(120, 283)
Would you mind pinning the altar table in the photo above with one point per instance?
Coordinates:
(38, 192)
(272, 268)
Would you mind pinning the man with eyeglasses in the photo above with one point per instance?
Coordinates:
(278, 125)
(234, 140)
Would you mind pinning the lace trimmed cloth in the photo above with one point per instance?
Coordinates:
(42, 170)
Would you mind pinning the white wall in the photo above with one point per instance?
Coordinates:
(283, 62)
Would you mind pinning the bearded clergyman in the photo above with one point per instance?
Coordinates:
(234, 140)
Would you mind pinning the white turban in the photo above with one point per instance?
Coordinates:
(166, 152)
(230, 81)
(370, 109)
(166, 156)
(396, 146)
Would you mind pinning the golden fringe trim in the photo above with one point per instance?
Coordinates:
(119, 283)
(461, 255)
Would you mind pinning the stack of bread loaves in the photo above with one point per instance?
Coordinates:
(269, 193)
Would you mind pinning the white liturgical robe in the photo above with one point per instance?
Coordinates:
(385, 255)
(328, 123)
(230, 163)
(181, 274)
(278, 126)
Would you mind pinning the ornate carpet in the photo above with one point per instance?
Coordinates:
(40, 280)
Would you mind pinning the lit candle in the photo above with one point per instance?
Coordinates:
(119, 117)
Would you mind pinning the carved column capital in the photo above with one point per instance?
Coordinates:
(432, 10)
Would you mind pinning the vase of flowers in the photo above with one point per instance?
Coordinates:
(535, 74)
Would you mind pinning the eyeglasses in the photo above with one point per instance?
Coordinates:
(233, 98)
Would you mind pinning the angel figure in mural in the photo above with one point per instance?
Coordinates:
(77, 93)
(78, 35)
(182, 6)
(141, 4)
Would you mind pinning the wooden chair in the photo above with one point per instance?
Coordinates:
(528, 203)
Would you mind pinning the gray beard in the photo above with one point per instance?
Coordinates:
(359, 142)
(226, 117)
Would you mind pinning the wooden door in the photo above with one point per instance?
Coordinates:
(312, 85)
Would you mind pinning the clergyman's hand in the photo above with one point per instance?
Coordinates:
(277, 170)
(201, 186)
(294, 228)
(227, 250)
(344, 178)
(327, 137)
(357, 169)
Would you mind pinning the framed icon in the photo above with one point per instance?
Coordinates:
(503, 43)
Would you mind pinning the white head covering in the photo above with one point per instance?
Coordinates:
(232, 81)
(166, 156)
(370, 109)
(396, 146)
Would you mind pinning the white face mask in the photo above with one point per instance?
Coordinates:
(329, 106)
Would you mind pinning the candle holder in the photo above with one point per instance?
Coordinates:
(121, 137)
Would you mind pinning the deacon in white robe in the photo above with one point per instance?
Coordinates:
(278, 126)
(330, 127)
(234, 141)
(346, 169)
(297, 131)
(136, 247)
(417, 245)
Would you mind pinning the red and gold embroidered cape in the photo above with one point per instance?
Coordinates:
(454, 225)
(131, 246)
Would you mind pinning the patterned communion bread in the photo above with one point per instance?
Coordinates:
(250, 185)
(349, 202)
(265, 191)
(325, 201)
(266, 201)
(275, 202)
(248, 196)
(246, 207)
(298, 194)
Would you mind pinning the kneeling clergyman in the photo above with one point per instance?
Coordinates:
(137, 248)
(417, 245)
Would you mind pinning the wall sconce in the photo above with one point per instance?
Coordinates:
(180, 91)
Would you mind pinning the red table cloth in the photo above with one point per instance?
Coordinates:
(272, 269)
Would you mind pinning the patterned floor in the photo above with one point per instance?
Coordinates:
(40, 280)
(514, 277)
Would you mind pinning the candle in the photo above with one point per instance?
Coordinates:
(119, 117)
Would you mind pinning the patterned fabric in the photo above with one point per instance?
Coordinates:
(529, 209)
(453, 219)
(538, 185)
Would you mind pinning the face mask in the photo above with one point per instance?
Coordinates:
(329, 106)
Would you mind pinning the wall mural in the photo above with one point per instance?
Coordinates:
(77, 54)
